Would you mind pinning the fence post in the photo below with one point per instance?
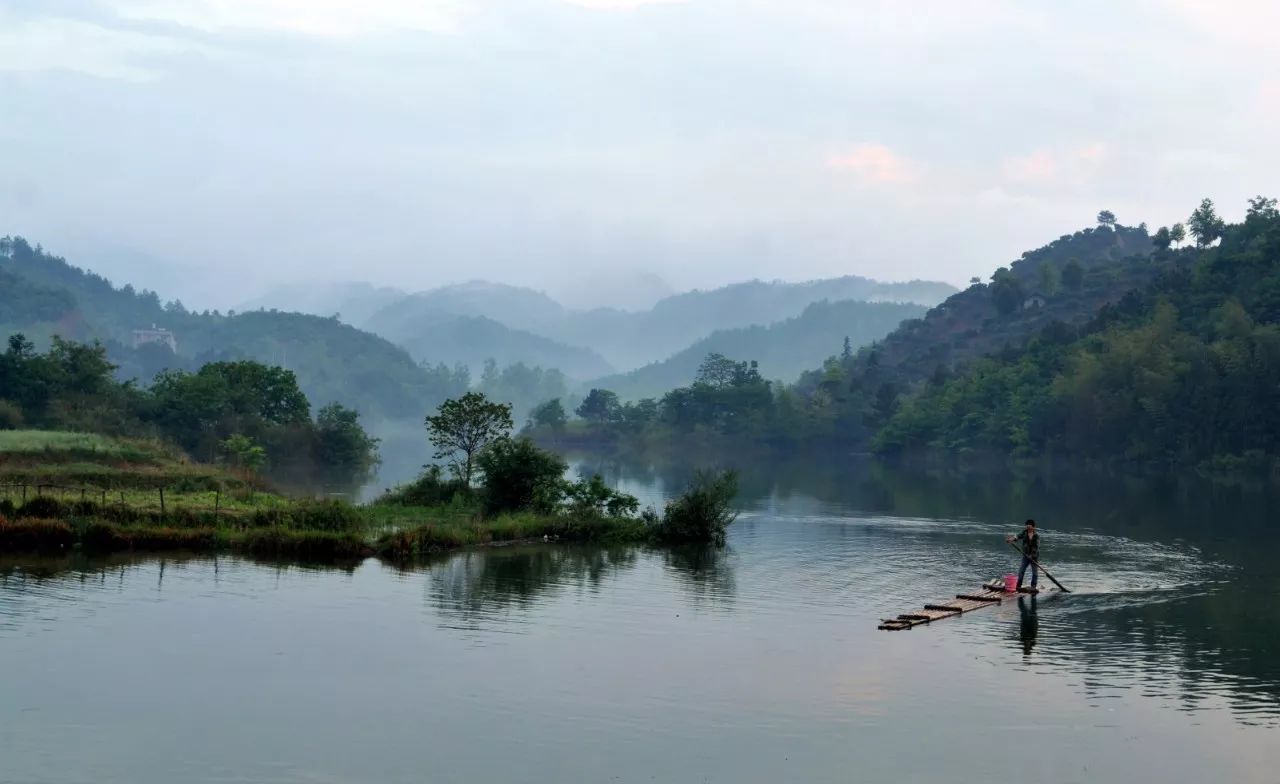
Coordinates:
(217, 501)
(162, 500)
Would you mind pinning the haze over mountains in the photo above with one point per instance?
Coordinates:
(473, 321)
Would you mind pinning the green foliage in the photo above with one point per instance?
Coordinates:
(599, 407)
(1106, 219)
(243, 452)
(10, 415)
(1072, 275)
(461, 428)
(1183, 371)
(429, 489)
(518, 476)
(71, 387)
(593, 498)
(702, 513)
(1007, 291)
(550, 415)
(1205, 225)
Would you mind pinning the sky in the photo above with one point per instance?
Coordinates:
(211, 149)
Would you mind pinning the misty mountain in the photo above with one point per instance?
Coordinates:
(783, 349)
(352, 302)
(628, 339)
(42, 295)
(472, 340)
(514, 306)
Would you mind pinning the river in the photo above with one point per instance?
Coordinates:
(757, 663)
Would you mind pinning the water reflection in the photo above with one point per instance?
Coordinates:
(1029, 624)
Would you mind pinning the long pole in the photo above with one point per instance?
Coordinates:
(1021, 552)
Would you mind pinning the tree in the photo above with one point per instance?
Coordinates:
(1048, 278)
(1162, 239)
(1107, 218)
(599, 407)
(1006, 291)
(462, 427)
(846, 351)
(342, 445)
(519, 476)
(1205, 225)
(1262, 208)
(1178, 233)
(975, 281)
(550, 415)
(243, 452)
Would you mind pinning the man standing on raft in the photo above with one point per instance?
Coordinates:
(1029, 543)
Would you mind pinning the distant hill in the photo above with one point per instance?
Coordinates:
(617, 338)
(353, 303)
(636, 339)
(472, 340)
(42, 295)
(783, 349)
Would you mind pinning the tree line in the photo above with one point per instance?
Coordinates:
(1183, 368)
(241, 412)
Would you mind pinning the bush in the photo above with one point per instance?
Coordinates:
(702, 513)
(519, 476)
(334, 516)
(10, 416)
(430, 489)
(45, 507)
(593, 498)
(306, 545)
(35, 535)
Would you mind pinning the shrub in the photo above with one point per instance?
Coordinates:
(702, 513)
(43, 506)
(593, 498)
(35, 535)
(519, 476)
(10, 416)
(327, 516)
(430, 489)
(306, 545)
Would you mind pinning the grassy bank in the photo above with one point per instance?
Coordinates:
(137, 497)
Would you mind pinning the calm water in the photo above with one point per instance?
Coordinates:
(759, 663)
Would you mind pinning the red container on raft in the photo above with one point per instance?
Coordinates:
(1011, 582)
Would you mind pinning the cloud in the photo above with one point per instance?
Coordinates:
(621, 5)
(876, 164)
(1072, 166)
(54, 44)
(329, 18)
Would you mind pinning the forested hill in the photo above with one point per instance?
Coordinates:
(1184, 370)
(42, 295)
(783, 349)
(1064, 282)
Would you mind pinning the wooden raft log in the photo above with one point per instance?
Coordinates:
(963, 603)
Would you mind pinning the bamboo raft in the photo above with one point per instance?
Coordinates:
(990, 593)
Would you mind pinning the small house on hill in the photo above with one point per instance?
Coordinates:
(142, 337)
(1036, 300)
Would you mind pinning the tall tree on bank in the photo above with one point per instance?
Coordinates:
(461, 428)
(1107, 218)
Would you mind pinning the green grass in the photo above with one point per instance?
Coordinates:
(90, 446)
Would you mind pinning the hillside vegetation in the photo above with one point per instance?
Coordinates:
(1184, 369)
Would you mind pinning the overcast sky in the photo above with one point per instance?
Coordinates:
(415, 142)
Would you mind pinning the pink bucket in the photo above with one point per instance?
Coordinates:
(1011, 582)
